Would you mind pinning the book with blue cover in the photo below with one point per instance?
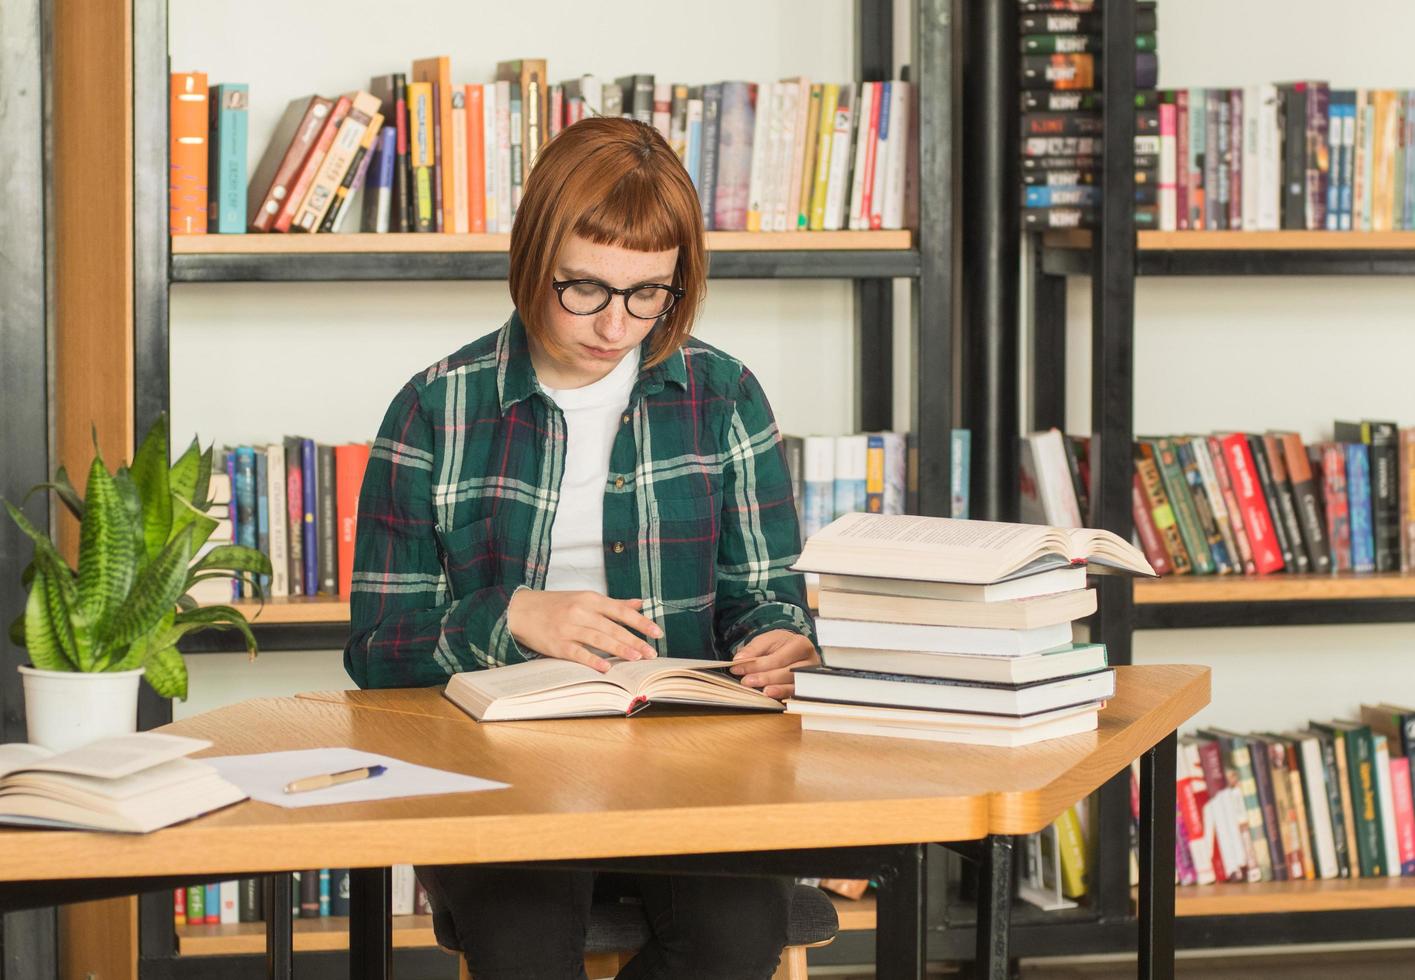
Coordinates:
(1358, 492)
(226, 157)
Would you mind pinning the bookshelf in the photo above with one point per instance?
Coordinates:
(1111, 257)
(121, 241)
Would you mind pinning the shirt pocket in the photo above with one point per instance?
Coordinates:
(684, 533)
(469, 556)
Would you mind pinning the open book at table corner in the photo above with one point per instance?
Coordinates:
(941, 549)
(128, 783)
(549, 688)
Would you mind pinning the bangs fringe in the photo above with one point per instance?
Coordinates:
(635, 216)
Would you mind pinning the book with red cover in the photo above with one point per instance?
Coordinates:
(187, 153)
(350, 461)
(285, 154)
(1404, 803)
(1150, 539)
(309, 169)
(1338, 511)
(1256, 520)
(1230, 502)
(476, 161)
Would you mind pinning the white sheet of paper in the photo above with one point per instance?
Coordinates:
(264, 776)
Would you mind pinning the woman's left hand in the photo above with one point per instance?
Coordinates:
(776, 653)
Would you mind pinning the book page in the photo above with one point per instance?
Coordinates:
(111, 758)
(531, 677)
(634, 675)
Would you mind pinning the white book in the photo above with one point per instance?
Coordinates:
(490, 157)
(404, 884)
(592, 91)
(1078, 658)
(761, 136)
(856, 687)
(503, 156)
(1390, 843)
(924, 717)
(1043, 583)
(279, 522)
(850, 468)
(694, 152)
(772, 158)
(978, 641)
(460, 215)
(1252, 152)
(1270, 161)
(1074, 724)
(230, 892)
(900, 108)
(788, 106)
(858, 221)
(818, 465)
(896, 471)
(1201, 848)
(1044, 459)
(839, 181)
(799, 141)
(1019, 614)
(1309, 753)
(882, 130)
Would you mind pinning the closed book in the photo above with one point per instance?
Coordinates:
(230, 902)
(1224, 809)
(874, 473)
(707, 175)
(278, 515)
(1272, 817)
(1384, 440)
(244, 494)
(896, 477)
(354, 178)
(1063, 661)
(810, 154)
(324, 891)
(1406, 463)
(378, 184)
(1358, 497)
(196, 904)
(1145, 529)
(285, 154)
(492, 130)
(339, 891)
(250, 901)
(1045, 101)
(338, 159)
(1318, 803)
(1338, 739)
(941, 639)
(1191, 799)
(476, 159)
(530, 75)
(1293, 119)
(737, 124)
(1071, 845)
(421, 161)
(1159, 507)
(310, 170)
(1237, 751)
(819, 497)
(1317, 158)
(794, 449)
(262, 513)
(1208, 522)
(295, 515)
(1404, 809)
(211, 903)
(638, 97)
(1041, 584)
(1016, 614)
(350, 462)
(1055, 218)
(234, 513)
(309, 508)
(1058, 71)
(309, 894)
(401, 219)
(436, 73)
(968, 728)
(1257, 520)
(187, 154)
(1290, 558)
(1385, 805)
(179, 906)
(1196, 449)
(899, 690)
(850, 462)
(1361, 771)
(227, 125)
(327, 519)
(1286, 502)
(1304, 495)
(1331, 773)
(838, 183)
(960, 444)
(1176, 486)
(1218, 467)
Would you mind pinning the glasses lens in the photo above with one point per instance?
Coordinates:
(650, 302)
(584, 298)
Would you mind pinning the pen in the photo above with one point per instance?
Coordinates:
(333, 779)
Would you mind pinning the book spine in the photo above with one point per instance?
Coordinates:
(234, 515)
(1072, 848)
(1286, 810)
(1262, 776)
(309, 894)
(1385, 495)
(1294, 159)
(295, 516)
(874, 474)
(420, 158)
(230, 902)
(761, 134)
(249, 909)
(1214, 140)
(324, 892)
(1181, 160)
(1233, 510)
(309, 503)
(1163, 514)
(262, 514)
(1403, 804)
(1183, 864)
(1190, 797)
(1269, 492)
(179, 906)
(339, 891)
(378, 185)
(1286, 502)
(1196, 452)
(734, 156)
(1313, 788)
(401, 208)
(712, 109)
(244, 493)
(196, 904)
(1304, 837)
(820, 483)
(1235, 158)
(897, 163)
(226, 184)
(211, 903)
(1257, 521)
(1385, 806)
(1149, 534)
(1361, 768)
(188, 160)
(1317, 162)
(1407, 479)
(1064, 72)
(1334, 787)
(350, 463)
(839, 180)
(1177, 488)
(476, 159)
(326, 522)
(1309, 510)
(960, 453)
(309, 171)
(1247, 784)
(1358, 494)
(849, 474)
(1168, 202)
(517, 151)
(694, 145)
(1337, 511)
(1334, 129)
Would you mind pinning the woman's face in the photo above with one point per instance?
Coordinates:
(588, 347)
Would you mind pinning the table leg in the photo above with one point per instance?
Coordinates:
(370, 923)
(279, 932)
(1157, 861)
(900, 934)
(994, 908)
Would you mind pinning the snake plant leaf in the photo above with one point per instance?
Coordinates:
(106, 565)
(220, 617)
(184, 513)
(60, 600)
(137, 654)
(17, 632)
(64, 489)
(27, 576)
(42, 639)
(128, 490)
(182, 480)
(166, 671)
(46, 556)
(155, 592)
(150, 473)
(202, 491)
(186, 602)
(235, 557)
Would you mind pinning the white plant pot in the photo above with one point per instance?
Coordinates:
(66, 709)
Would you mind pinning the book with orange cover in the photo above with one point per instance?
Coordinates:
(187, 153)
(476, 162)
(461, 218)
(337, 161)
(295, 136)
(437, 72)
(305, 178)
(350, 461)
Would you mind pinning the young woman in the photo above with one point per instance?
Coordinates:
(586, 480)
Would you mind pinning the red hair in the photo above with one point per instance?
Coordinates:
(613, 182)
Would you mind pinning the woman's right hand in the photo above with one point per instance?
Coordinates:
(565, 625)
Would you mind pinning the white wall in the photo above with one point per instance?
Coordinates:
(1261, 353)
(254, 362)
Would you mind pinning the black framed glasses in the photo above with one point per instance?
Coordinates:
(585, 297)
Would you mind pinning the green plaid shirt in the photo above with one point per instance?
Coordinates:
(461, 491)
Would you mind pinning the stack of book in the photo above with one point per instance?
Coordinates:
(317, 893)
(1295, 155)
(431, 155)
(1062, 125)
(1332, 800)
(956, 631)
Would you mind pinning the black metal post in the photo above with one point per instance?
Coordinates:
(994, 908)
(279, 930)
(934, 72)
(1048, 346)
(1157, 861)
(370, 923)
(991, 225)
(900, 931)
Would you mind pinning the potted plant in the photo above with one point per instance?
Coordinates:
(92, 632)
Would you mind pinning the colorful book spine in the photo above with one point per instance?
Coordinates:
(960, 451)
(262, 513)
(244, 493)
(874, 473)
(819, 495)
(1336, 509)
(309, 504)
(1358, 494)
(187, 154)
(850, 454)
(226, 183)
(350, 462)
(420, 156)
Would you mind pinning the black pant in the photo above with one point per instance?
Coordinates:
(530, 925)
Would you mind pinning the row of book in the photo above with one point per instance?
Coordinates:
(1062, 123)
(1249, 503)
(318, 893)
(1299, 155)
(296, 502)
(871, 472)
(431, 155)
(1332, 800)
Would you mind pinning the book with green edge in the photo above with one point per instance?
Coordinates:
(1361, 772)
(1236, 753)
(1177, 488)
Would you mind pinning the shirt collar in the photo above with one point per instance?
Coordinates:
(516, 375)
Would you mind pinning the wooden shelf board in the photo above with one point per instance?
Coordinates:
(297, 610)
(855, 913)
(1275, 897)
(1178, 241)
(1273, 588)
(717, 241)
(311, 935)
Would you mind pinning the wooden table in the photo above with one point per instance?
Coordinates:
(723, 793)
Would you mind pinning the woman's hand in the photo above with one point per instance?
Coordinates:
(778, 652)
(565, 625)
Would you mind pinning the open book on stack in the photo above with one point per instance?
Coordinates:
(131, 783)
(956, 631)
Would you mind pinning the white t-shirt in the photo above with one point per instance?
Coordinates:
(592, 420)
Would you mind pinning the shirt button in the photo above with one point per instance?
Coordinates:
(624, 419)
(619, 547)
(618, 483)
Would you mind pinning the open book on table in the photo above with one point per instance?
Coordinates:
(132, 783)
(939, 549)
(548, 688)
